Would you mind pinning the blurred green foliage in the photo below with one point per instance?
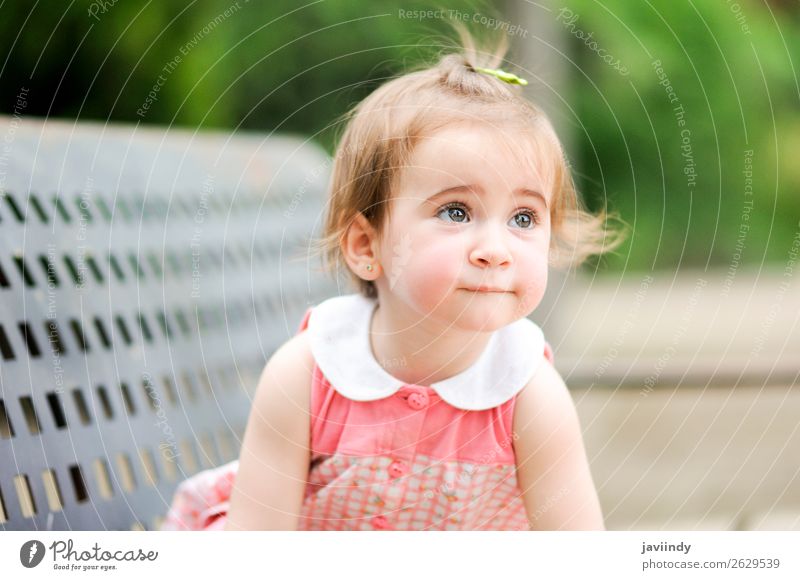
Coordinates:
(733, 68)
(294, 67)
(279, 65)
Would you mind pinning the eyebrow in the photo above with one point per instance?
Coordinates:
(521, 192)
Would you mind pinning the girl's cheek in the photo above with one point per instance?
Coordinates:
(532, 282)
(431, 271)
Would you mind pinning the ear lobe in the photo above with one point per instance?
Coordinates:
(358, 246)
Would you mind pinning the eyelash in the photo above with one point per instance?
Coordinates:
(532, 213)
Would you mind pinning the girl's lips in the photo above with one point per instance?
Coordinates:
(486, 289)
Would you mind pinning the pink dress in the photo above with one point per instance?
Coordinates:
(387, 455)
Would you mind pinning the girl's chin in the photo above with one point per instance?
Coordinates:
(480, 316)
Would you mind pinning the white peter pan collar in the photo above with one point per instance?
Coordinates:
(338, 331)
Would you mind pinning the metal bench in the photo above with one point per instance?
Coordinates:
(145, 278)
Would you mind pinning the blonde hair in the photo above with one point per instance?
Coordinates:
(382, 130)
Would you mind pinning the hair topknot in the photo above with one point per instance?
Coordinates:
(458, 65)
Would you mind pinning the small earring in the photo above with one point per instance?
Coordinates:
(369, 267)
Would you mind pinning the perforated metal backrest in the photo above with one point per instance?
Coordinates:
(145, 278)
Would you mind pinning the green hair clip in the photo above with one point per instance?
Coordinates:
(504, 76)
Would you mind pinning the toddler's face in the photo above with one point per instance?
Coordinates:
(476, 255)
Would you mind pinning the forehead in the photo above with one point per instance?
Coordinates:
(477, 153)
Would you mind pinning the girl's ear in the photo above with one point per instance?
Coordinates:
(359, 247)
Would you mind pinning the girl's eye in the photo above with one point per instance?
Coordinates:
(457, 213)
(528, 219)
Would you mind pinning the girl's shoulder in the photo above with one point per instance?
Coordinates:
(288, 375)
(293, 359)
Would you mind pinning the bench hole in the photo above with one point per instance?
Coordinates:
(229, 256)
(119, 203)
(186, 207)
(55, 501)
(123, 330)
(136, 266)
(208, 453)
(15, 209)
(61, 209)
(39, 209)
(202, 319)
(105, 402)
(74, 271)
(31, 418)
(169, 387)
(188, 386)
(169, 460)
(150, 209)
(80, 336)
(5, 345)
(127, 399)
(115, 267)
(83, 408)
(101, 331)
(3, 278)
(78, 483)
(174, 263)
(24, 271)
(149, 467)
(155, 264)
(103, 478)
(25, 496)
(151, 394)
(98, 275)
(144, 328)
(104, 211)
(183, 323)
(166, 329)
(126, 473)
(30, 340)
(54, 337)
(138, 206)
(57, 410)
(83, 208)
(224, 382)
(3, 512)
(49, 268)
(225, 447)
(189, 455)
(6, 428)
(227, 443)
(206, 380)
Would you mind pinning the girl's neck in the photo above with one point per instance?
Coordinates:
(420, 351)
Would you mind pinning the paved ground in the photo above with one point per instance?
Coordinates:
(695, 458)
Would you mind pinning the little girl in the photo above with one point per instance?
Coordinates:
(427, 400)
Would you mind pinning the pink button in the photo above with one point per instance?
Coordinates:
(381, 523)
(417, 400)
(397, 468)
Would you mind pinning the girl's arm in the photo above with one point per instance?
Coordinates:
(274, 460)
(552, 468)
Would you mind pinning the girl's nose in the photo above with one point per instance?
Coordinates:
(490, 251)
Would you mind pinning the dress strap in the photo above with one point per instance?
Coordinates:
(319, 394)
(304, 323)
(548, 352)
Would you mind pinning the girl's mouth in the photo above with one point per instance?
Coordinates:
(486, 290)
